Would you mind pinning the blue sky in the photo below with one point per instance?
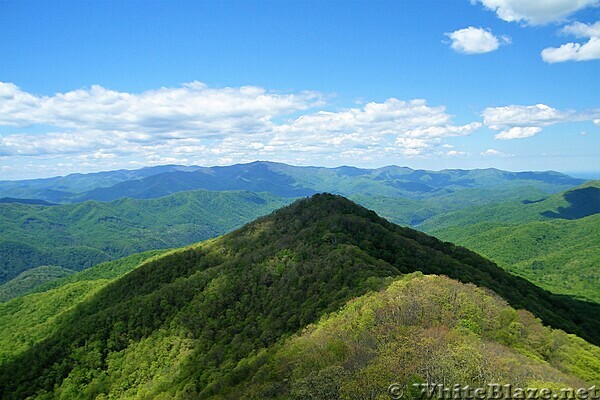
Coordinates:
(99, 85)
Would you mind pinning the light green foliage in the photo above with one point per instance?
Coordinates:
(144, 370)
(106, 270)
(413, 331)
(27, 320)
(559, 255)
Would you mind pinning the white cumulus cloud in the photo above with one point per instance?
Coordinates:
(515, 115)
(473, 40)
(518, 132)
(455, 153)
(495, 153)
(516, 121)
(582, 30)
(414, 126)
(535, 12)
(413, 146)
(375, 118)
(574, 51)
(444, 130)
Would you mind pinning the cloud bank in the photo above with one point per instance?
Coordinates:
(195, 123)
(93, 128)
(194, 108)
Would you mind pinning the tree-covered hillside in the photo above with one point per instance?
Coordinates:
(553, 242)
(85, 233)
(180, 326)
(78, 236)
(30, 279)
(29, 319)
(420, 329)
(574, 203)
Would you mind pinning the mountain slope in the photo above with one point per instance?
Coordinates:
(30, 279)
(416, 212)
(554, 242)
(82, 235)
(29, 319)
(561, 256)
(578, 202)
(199, 311)
(78, 236)
(255, 177)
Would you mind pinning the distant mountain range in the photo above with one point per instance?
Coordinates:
(58, 189)
(113, 214)
(280, 179)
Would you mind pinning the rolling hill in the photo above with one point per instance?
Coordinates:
(30, 279)
(574, 203)
(195, 322)
(77, 236)
(552, 242)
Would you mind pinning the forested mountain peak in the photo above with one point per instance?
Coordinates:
(226, 298)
